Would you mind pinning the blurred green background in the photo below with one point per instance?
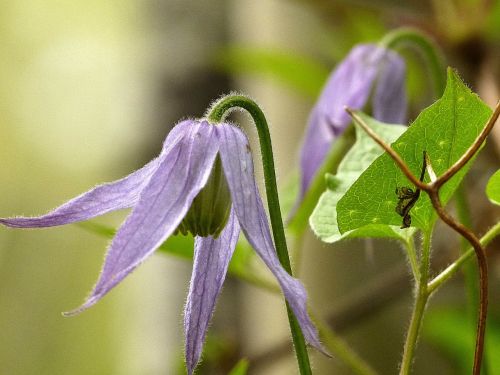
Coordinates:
(88, 91)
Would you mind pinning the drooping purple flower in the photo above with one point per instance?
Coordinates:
(197, 158)
(351, 84)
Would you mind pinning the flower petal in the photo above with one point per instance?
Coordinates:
(163, 203)
(104, 198)
(318, 139)
(349, 85)
(211, 260)
(389, 99)
(238, 169)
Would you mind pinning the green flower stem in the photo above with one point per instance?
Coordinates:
(337, 151)
(217, 113)
(453, 268)
(341, 350)
(426, 47)
(412, 257)
(422, 296)
(334, 343)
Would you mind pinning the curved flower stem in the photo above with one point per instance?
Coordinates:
(422, 296)
(218, 111)
(431, 53)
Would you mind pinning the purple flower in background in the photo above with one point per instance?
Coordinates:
(186, 189)
(351, 84)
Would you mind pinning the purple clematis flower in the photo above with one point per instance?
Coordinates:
(197, 159)
(350, 85)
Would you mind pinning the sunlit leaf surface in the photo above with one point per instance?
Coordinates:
(445, 130)
(364, 151)
(493, 188)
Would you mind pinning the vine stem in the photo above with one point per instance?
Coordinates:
(432, 189)
(426, 47)
(422, 296)
(412, 258)
(217, 113)
(454, 267)
(469, 271)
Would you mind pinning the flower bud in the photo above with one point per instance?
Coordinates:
(209, 211)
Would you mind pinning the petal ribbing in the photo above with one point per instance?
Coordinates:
(349, 85)
(389, 99)
(211, 260)
(163, 203)
(104, 198)
(238, 169)
(317, 142)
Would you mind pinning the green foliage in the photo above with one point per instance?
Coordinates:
(364, 151)
(445, 130)
(289, 192)
(340, 147)
(493, 188)
(240, 368)
(296, 71)
(183, 246)
(453, 332)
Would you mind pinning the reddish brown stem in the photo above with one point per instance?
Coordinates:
(432, 190)
(483, 277)
(471, 151)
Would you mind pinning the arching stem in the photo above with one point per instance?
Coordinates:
(220, 110)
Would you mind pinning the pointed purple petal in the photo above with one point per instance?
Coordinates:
(318, 139)
(163, 203)
(211, 260)
(238, 169)
(104, 198)
(389, 99)
(349, 85)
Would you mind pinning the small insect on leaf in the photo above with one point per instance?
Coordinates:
(407, 198)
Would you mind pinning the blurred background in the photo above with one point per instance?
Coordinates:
(88, 91)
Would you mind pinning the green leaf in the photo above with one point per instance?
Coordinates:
(445, 130)
(296, 71)
(364, 151)
(183, 247)
(338, 150)
(240, 368)
(493, 188)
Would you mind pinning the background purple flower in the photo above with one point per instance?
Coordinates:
(161, 194)
(351, 84)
